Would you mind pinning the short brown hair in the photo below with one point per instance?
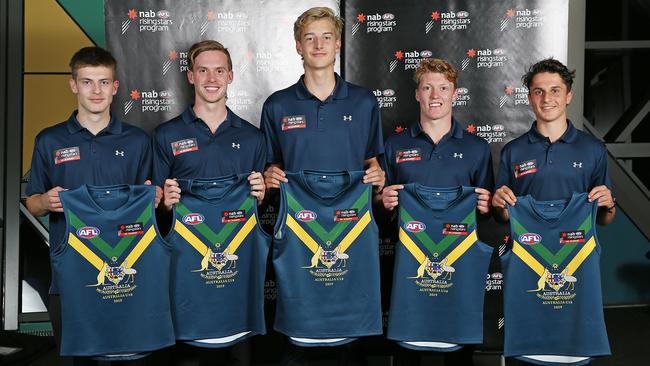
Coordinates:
(204, 46)
(436, 65)
(92, 56)
(317, 13)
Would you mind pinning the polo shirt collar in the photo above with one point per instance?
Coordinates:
(340, 90)
(568, 136)
(455, 131)
(114, 125)
(188, 116)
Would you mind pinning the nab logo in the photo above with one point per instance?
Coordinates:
(415, 226)
(530, 238)
(88, 232)
(306, 215)
(193, 218)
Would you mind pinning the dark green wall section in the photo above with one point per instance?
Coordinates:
(89, 15)
(623, 265)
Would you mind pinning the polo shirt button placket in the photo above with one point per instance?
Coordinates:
(320, 125)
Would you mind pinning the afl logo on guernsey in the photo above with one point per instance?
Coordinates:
(530, 238)
(193, 218)
(415, 226)
(306, 215)
(88, 232)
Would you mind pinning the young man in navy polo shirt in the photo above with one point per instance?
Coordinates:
(207, 140)
(436, 151)
(437, 143)
(553, 159)
(321, 122)
(91, 147)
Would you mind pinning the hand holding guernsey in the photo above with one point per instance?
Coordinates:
(440, 267)
(553, 300)
(219, 253)
(326, 259)
(113, 271)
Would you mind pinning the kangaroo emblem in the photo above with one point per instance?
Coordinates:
(315, 258)
(422, 268)
(541, 283)
(205, 262)
(100, 276)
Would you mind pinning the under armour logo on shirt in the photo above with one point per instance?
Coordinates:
(235, 146)
(347, 118)
(458, 155)
(119, 152)
(577, 164)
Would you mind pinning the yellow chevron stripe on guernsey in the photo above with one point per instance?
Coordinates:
(411, 246)
(242, 234)
(343, 245)
(581, 256)
(354, 233)
(190, 237)
(461, 248)
(527, 258)
(140, 247)
(88, 254)
(302, 234)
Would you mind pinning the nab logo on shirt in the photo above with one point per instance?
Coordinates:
(306, 215)
(415, 226)
(193, 218)
(88, 232)
(530, 238)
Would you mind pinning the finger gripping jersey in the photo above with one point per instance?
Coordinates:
(440, 269)
(552, 293)
(326, 257)
(113, 271)
(219, 262)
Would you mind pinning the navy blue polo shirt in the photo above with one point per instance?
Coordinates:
(184, 147)
(459, 158)
(340, 133)
(68, 155)
(531, 164)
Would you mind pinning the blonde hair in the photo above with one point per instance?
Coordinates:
(203, 46)
(317, 13)
(435, 65)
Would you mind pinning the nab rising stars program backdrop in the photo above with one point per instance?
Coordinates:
(491, 43)
(150, 39)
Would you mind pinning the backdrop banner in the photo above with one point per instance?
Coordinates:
(150, 39)
(491, 43)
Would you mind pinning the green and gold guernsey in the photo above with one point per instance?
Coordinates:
(552, 294)
(440, 269)
(219, 262)
(326, 259)
(113, 271)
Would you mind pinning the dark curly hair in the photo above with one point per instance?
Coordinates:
(549, 65)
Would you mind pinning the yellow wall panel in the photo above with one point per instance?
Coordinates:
(51, 37)
(47, 101)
